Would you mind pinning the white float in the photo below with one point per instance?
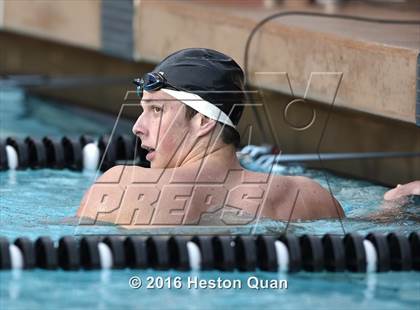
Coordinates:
(91, 154)
(282, 256)
(12, 157)
(105, 256)
(194, 256)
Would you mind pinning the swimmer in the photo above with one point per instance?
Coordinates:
(395, 200)
(191, 104)
(400, 191)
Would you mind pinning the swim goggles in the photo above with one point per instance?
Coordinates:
(155, 81)
(152, 81)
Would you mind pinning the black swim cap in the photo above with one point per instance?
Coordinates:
(213, 76)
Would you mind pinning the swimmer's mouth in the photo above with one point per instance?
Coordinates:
(147, 148)
(150, 152)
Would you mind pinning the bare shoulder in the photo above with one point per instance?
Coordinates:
(307, 185)
(112, 175)
(319, 201)
(125, 175)
(304, 198)
(115, 176)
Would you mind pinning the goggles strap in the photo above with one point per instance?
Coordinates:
(200, 105)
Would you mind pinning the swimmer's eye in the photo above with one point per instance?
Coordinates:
(157, 109)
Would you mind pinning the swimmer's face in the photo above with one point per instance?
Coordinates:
(163, 127)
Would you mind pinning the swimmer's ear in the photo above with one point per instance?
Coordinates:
(206, 125)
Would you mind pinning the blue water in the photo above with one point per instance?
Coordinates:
(110, 290)
(22, 115)
(43, 202)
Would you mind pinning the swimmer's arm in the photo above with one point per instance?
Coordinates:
(412, 188)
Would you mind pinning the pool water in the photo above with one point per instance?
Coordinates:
(43, 202)
(110, 290)
(22, 115)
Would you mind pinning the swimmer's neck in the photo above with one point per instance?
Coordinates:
(223, 155)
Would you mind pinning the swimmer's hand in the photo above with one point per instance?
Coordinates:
(412, 188)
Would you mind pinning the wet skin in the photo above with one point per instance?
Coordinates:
(412, 188)
(194, 173)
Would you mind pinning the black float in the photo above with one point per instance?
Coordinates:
(136, 252)
(116, 245)
(382, 250)
(68, 253)
(89, 253)
(158, 252)
(355, 252)
(266, 253)
(178, 252)
(224, 254)
(312, 253)
(27, 248)
(334, 255)
(415, 249)
(3, 156)
(205, 245)
(73, 158)
(5, 260)
(400, 252)
(295, 253)
(36, 153)
(246, 253)
(46, 253)
(55, 153)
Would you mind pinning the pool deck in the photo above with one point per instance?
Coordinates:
(377, 61)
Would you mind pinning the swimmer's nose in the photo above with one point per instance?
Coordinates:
(138, 128)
